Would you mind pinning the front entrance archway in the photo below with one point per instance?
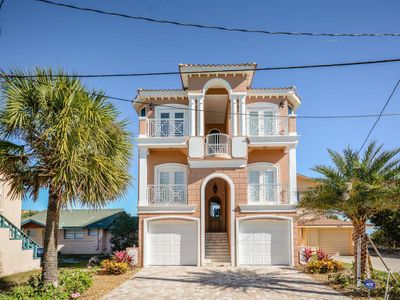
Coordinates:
(229, 204)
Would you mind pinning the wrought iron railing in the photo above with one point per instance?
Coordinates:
(217, 143)
(268, 193)
(17, 234)
(267, 126)
(167, 194)
(166, 127)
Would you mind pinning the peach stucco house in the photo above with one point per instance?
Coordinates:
(18, 253)
(217, 170)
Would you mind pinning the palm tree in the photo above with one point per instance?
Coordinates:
(356, 187)
(58, 136)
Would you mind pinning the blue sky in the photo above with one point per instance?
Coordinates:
(36, 34)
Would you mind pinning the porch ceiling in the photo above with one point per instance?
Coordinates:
(218, 104)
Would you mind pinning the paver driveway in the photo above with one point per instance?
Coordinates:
(222, 283)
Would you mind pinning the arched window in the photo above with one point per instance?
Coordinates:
(215, 207)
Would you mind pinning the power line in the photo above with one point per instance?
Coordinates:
(380, 115)
(215, 27)
(245, 114)
(344, 64)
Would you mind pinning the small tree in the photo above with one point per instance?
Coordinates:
(356, 187)
(59, 136)
(124, 232)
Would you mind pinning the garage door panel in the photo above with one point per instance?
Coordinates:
(335, 241)
(172, 243)
(264, 242)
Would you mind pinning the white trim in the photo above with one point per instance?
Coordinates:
(290, 93)
(274, 140)
(211, 163)
(192, 115)
(326, 226)
(265, 208)
(261, 167)
(143, 153)
(217, 82)
(290, 219)
(242, 114)
(233, 116)
(292, 176)
(200, 116)
(209, 132)
(263, 105)
(172, 108)
(174, 209)
(160, 218)
(231, 211)
(162, 142)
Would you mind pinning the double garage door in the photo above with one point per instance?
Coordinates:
(264, 242)
(171, 243)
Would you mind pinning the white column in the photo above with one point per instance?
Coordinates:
(143, 176)
(292, 175)
(242, 115)
(234, 115)
(200, 115)
(192, 114)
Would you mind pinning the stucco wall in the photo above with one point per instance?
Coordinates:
(86, 245)
(10, 207)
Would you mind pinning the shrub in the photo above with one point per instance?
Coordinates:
(323, 266)
(121, 256)
(307, 254)
(322, 255)
(341, 279)
(71, 284)
(111, 266)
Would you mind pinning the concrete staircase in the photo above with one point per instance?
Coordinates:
(217, 250)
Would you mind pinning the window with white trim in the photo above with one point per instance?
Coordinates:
(263, 119)
(263, 185)
(170, 182)
(76, 233)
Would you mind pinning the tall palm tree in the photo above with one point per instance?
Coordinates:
(57, 135)
(356, 187)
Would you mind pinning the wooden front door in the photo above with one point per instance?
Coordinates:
(215, 215)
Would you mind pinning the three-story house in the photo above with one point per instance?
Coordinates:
(217, 170)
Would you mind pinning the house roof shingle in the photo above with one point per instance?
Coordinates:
(101, 218)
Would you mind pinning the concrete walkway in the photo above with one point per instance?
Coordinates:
(222, 283)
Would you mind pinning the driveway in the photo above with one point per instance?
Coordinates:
(222, 283)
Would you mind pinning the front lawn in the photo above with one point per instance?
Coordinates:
(102, 282)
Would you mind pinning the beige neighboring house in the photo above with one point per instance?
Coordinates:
(18, 253)
(82, 231)
(217, 170)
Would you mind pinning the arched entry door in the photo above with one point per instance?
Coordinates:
(216, 215)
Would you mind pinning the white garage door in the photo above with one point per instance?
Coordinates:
(172, 243)
(264, 242)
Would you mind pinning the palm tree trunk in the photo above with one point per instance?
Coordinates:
(359, 232)
(49, 260)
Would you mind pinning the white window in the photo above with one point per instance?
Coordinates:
(92, 232)
(263, 119)
(170, 184)
(171, 174)
(73, 233)
(263, 183)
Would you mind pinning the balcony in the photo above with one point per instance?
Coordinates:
(217, 144)
(268, 194)
(166, 128)
(267, 126)
(167, 195)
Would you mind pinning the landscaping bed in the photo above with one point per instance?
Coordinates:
(76, 280)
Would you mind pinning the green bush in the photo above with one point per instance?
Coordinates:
(342, 279)
(71, 283)
(323, 266)
(114, 267)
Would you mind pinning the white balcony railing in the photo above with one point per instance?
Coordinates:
(217, 143)
(167, 194)
(166, 128)
(272, 194)
(267, 126)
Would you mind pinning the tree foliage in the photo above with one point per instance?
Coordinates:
(124, 232)
(357, 187)
(55, 134)
(388, 229)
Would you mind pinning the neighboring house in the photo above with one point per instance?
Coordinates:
(82, 231)
(18, 253)
(334, 236)
(217, 170)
